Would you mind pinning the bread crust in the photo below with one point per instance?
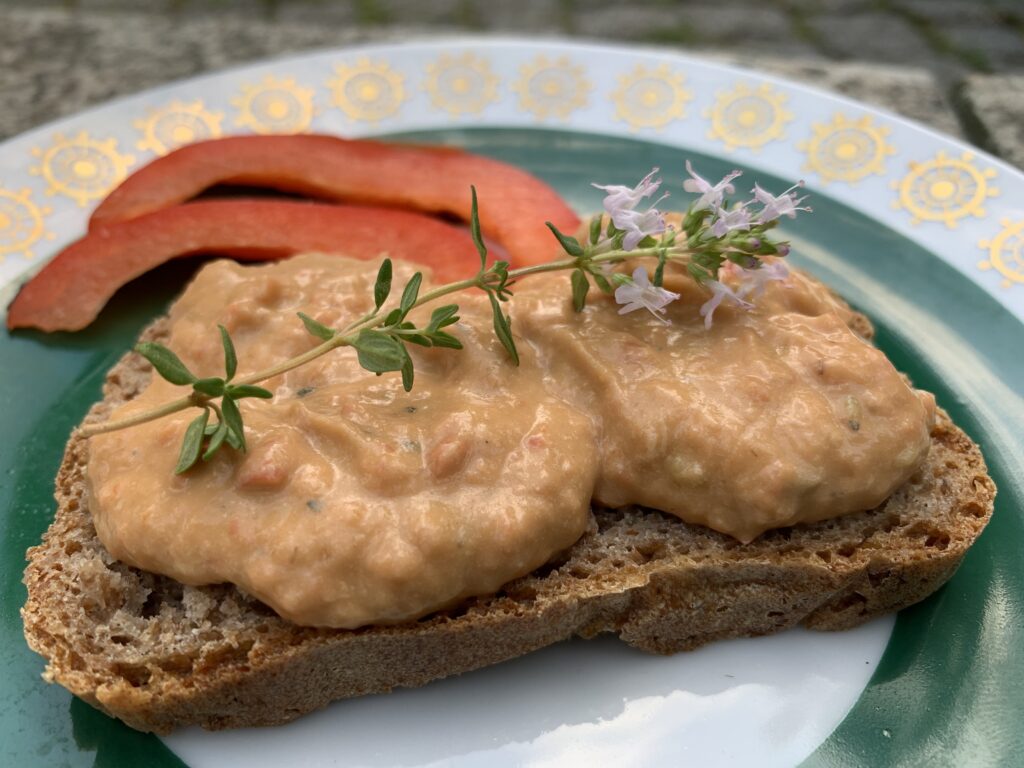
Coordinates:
(160, 655)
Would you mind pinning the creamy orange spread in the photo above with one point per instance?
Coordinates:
(358, 503)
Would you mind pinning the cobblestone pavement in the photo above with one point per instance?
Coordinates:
(957, 65)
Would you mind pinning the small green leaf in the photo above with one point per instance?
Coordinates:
(595, 229)
(446, 340)
(411, 293)
(214, 387)
(233, 418)
(319, 330)
(474, 229)
(695, 220)
(417, 338)
(165, 362)
(503, 329)
(569, 244)
(230, 358)
(378, 352)
(234, 442)
(238, 391)
(620, 279)
(394, 317)
(192, 443)
(501, 287)
(602, 282)
(659, 271)
(407, 371)
(647, 242)
(444, 316)
(580, 286)
(382, 288)
(216, 440)
(698, 273)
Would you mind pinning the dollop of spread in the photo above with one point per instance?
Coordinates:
(358, 503)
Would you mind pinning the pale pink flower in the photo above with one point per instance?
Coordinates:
(620, 204)
(786, 204)
(620, 198)
(728, 221)
(710, 194)
(720, 292)
(639, 225)
(640, 294)
(753, 281)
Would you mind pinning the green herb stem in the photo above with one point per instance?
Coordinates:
(371, 320)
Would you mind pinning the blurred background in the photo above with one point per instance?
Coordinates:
(956, 65)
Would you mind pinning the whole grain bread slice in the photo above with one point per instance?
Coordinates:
(159, 655)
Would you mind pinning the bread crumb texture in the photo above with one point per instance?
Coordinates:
(159, 655)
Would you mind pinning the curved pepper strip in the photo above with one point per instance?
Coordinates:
(69, 292)
(513, 204)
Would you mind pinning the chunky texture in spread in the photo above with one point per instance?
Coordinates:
(358, 503)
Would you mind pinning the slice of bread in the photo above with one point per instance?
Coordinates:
(160, 655)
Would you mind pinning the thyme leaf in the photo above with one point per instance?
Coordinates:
(233, 418)
(317, 329)
(382, 288)
(166, 363)
(580, 286)
(230, 358)
(503, 329)
(192, 442)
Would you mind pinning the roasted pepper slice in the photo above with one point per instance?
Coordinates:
(69, 292)
(513, 204)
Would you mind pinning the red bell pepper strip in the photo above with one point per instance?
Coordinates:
(513, 204)
(69, 292)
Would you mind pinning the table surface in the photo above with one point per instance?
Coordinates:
(956, 65)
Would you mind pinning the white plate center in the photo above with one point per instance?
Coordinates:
(768, 701)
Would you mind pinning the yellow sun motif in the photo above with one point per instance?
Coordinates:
(461, 84)
(552, 88)
(21, 223)
(177, 124)
(368, 91)
(748, 117)
(650, 98)
(275, 106)
(1006, 252)
(847, 150)
(83, 168)
(945, 189)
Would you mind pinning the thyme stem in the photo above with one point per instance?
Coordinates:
(371, 320)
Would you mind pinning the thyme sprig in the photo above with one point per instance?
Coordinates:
(228, 426)
(713, 235)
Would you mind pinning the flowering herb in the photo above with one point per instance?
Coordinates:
(715, 239)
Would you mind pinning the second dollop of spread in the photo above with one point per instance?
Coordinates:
(358, 503)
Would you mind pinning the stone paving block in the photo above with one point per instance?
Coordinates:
(450, 13)
(874, 37)
(520, 16)
(836, 6)
(107, 55)
(943, 12)
(1000, 46)
(998, 102)
(750, 28)
(325, 14)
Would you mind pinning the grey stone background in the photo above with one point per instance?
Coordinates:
(957, 65)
